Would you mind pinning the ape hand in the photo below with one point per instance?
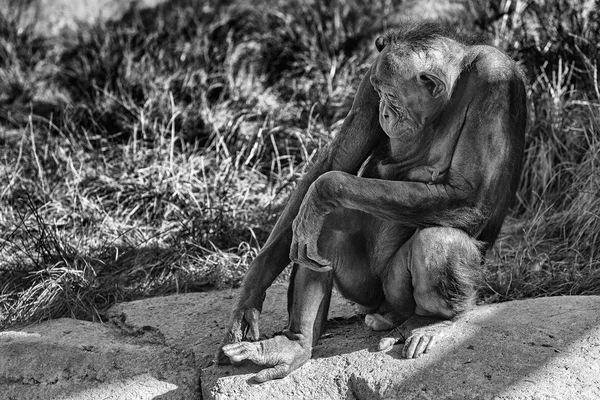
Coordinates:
(244, 322)
(418, 333)
(306, 229)
(280, 353)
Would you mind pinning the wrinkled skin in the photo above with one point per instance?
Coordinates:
(400, 208)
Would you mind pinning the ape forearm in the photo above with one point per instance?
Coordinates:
(274, 256)
(358, 135)
(411, 203)
(381, 198)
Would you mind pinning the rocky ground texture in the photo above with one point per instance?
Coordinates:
(161, 348)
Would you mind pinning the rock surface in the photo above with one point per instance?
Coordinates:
(534, 349)
(545, 348)
(80, 360)
(151, 349)
(197, 321)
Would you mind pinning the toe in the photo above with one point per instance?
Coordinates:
(386, 342)
(268, 374)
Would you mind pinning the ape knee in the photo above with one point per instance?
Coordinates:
(445, 269)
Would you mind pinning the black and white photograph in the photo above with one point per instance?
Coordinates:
(299, 199)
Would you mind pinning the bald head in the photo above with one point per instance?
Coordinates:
(414, 75)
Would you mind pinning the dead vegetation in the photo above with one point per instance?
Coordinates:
(152, 155)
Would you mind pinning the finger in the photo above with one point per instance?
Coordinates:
(316, 267)
(312, 251)
(234, 334)
(243, 329)
(410, 346)
(238, 329)
(421, 346)
(277, 372)
(431, 344)
(241, 351)
(307, 262)
(251, 317)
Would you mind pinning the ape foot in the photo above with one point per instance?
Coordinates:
(283, 354)
(418, 333)
(378, 322)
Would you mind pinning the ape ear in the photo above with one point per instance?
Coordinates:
(432, 83)
(380, 43)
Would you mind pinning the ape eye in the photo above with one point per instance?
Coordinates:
(430, 84)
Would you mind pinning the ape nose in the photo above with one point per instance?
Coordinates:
(384, 110)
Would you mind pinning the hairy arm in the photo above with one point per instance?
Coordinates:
(359, 134)
(413, 204)
(479, 187)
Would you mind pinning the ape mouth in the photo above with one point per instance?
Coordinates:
(402, 129)
(407, 131)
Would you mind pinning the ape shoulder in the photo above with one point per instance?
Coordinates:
(492, 64)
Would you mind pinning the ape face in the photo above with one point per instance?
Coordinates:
(410, 93)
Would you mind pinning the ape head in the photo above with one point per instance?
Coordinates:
(414, 75)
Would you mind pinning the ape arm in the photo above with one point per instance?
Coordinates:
(474, 135)
(485, 160)
(414, 204)
(359, 134)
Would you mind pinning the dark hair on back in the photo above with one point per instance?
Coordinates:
(420, 34)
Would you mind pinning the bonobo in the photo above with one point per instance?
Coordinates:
(400, 208)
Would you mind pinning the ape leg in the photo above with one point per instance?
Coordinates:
(443, 265)
(309, 295)
(445, 269)
(398, 290)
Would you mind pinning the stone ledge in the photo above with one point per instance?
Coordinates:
(546, 348)
(70, 359)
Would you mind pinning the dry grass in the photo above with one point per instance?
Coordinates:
(152, 155)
